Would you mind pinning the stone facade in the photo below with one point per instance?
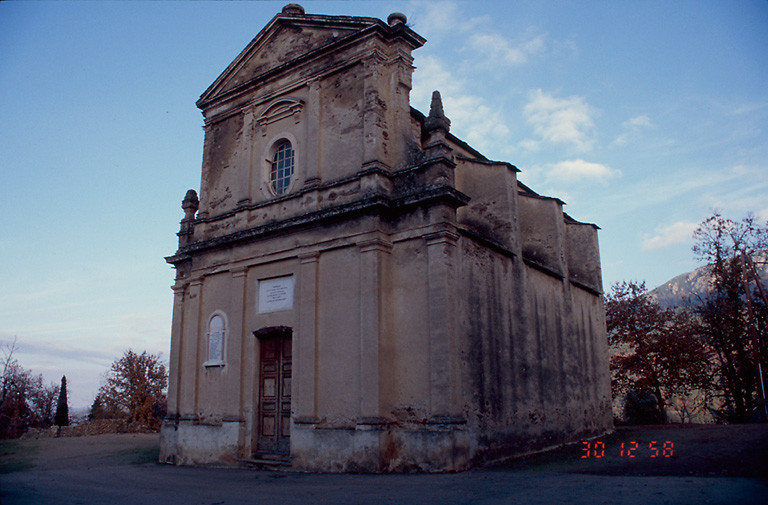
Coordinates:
(359, 290)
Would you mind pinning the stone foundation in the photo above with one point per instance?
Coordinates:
(380, 448)
(186, 442)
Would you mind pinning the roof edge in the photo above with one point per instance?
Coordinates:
(361, 23)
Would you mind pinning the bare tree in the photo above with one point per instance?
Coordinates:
(25, 400)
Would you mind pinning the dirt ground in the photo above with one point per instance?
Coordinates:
(671, 465)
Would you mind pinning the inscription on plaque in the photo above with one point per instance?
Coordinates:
(276, 294)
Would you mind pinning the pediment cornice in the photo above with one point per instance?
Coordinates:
(289, 39)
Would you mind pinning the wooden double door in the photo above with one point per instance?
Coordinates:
(275, 368)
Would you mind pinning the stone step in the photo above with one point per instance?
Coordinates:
(267, 461)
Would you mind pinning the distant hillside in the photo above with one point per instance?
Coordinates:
(688, 287)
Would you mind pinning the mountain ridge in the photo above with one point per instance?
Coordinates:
(686, 289)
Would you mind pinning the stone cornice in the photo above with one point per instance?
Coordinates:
(587, 288)
(299, 193)
(371, 203)
(487, 242)
(541, 268)
(374, 168)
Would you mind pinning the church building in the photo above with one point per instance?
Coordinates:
(357, 289)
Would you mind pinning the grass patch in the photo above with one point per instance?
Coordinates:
(17, 455)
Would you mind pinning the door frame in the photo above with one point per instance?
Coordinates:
(269, 332)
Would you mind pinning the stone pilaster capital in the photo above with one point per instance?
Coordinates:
(442, 237)
(309, 257)
(375, 244)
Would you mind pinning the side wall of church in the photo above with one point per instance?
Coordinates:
(534, 369)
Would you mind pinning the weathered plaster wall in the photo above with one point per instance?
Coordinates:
(542, 230)
(583, 255)
(591, 347)
(287, 44)
(341, 120)
(534, 367)
(194, 443)
(219, 175)
(407, 383)
(492, 211)
(338, 323)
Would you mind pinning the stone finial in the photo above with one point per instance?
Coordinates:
(396, 18)
(293, 10)
(436, 119)
(190, 204)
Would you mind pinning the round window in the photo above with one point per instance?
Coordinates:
(282, 168)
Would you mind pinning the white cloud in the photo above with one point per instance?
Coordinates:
(560, 120)
(679, 232)
(579, 169)
(754, 172)
(432, 19)
(496, 48)
(632, 126)
(621, 139)
(739, 190)
(472, 118)
(748, 108)
(637, 122)
(478, 122)
(529, 145)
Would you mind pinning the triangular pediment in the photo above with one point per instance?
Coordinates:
(286, 38)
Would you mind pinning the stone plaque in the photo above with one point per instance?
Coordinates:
(276, 294)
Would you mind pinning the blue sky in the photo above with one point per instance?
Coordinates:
(644, 117)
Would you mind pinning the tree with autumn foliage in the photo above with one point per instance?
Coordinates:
(135, 388)
(734, 314)
(653, 350)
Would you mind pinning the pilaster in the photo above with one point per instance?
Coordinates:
(304, 390)
(235, 357)
(313, 125)
(374, 111)
(190, 349)
(244, 163)
(208, 144)
(441, 279)
(174, 377)
(373, 254)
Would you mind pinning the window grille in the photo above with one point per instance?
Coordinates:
(282, 168)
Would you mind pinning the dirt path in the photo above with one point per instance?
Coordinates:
(707, 464)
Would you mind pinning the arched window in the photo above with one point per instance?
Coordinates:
(282, 167)
(217, 330)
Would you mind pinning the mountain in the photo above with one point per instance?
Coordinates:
(688, 288)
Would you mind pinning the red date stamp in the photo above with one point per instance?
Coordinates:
(596, 449)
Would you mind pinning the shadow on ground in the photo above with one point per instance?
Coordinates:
(671, 450)
(708, 464)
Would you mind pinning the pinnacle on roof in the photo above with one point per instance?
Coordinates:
(436, 119)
